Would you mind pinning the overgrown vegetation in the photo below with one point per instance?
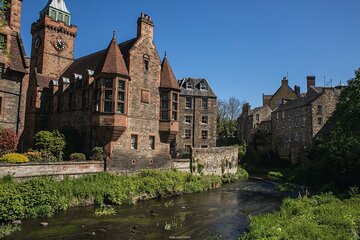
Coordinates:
(43, 197)
(322, 217)
(334, 161)
(77, 157)
(8, 229)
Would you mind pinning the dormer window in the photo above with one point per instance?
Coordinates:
(189, 85)
(203, 87)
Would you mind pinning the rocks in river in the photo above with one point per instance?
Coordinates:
(134, 228)
(44, 224)
(16, 222)
(152, 213)
(91, 234)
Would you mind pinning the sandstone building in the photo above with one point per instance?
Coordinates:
(296, 123)
(124, 97)
(198, 114)
(253, 120)
(14, 67)
(285, 92)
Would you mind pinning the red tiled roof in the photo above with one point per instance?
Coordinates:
(167, 77)
(113, 61)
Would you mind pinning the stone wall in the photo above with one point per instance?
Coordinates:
(216, 161)
(58, 169)
(182, 165)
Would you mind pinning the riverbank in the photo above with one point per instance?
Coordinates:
(43, 197)
(323, 217)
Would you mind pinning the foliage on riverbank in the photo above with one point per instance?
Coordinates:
(43, 197)
(323, 217)
(8, 229)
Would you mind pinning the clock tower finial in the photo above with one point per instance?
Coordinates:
(57, 10)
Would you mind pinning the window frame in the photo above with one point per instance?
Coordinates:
(2, 70)
(188, 100)
(185, 118)
(189, 85)
(152, 145)
(120, 91)
(204, 136)
(203, 86)
(204, 103)
(134, 145)
(207, 119)
(187, 133)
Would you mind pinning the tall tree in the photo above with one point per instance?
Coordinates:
(228, 113)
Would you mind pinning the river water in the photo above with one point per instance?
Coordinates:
(218, 214)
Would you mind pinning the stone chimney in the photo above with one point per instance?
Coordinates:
(297, 90)
(310, 81)
(246, 108)
(285, 82)
(145, 26)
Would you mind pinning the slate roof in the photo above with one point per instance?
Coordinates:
(94, 60)
(17, 55)
(167, 77)
(196, 90)
(300, 102)
(43, 81)
(257, 109)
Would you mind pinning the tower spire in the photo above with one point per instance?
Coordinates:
(57, 10)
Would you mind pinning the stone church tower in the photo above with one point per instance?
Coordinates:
(52, 52)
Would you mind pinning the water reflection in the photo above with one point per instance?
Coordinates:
(219, 214)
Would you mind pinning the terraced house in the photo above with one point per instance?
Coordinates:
(123, 97)
(296, 123)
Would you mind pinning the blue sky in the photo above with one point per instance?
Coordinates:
(243, 47)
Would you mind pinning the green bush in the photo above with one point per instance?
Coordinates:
(14, 158)
(97, 154)
(51, 143)
(322, 217)
(77, 157)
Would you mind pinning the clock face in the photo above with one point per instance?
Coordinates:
(37, 43)
(59, 44)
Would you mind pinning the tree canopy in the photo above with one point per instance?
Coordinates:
(335, 158)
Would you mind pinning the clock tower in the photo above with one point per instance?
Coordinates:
(53, 40)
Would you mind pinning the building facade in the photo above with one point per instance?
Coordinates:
(14, 68)
(252, 120)
(296, 123)
(123, 98)
(284, 92)
(198, 114)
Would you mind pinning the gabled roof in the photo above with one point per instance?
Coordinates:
(93, 60)
(196, 90)
(167, 77)
(112, 60)
(258, 109)
(300, 102)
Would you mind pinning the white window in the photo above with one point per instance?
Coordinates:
(283, 114)
(188, 119)
(303, 122)
(277, 115)
(203, 86)
(189, 85)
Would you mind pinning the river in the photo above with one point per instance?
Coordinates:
(218, 214)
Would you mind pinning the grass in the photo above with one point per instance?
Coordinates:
(104, 210)
(322, 217)
(43, 197)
